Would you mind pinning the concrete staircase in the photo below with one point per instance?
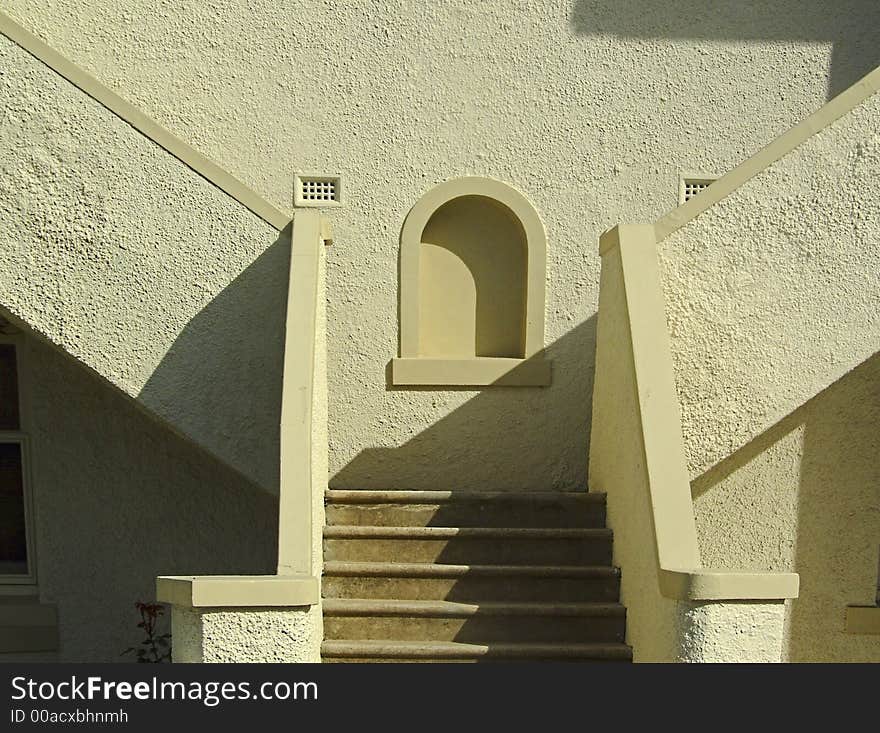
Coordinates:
(439, 576)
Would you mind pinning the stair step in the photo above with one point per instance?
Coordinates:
(393, 607)
(467, 622)
(482, 545)
(378, 650)
(345, 496)
(465, 509)
(432, 581)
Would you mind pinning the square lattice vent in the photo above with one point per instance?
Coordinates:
(317, 190)
(690, 186)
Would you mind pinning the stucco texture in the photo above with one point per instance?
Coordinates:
(773, 297)
(730, 632)
(139, 268)
(658, 628)
(591, 108)
(120, 499)
(252, 635)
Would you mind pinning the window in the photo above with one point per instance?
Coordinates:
(16, 536)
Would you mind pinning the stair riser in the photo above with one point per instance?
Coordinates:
(468, 514)
(474, 589)
(507, 551)
(478, 629)
(384, 660)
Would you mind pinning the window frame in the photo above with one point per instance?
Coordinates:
(22, 581)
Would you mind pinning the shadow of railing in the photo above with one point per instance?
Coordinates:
(819, 515)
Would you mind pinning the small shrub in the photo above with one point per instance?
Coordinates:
(155, 648)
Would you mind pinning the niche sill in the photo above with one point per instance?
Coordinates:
(474, 372)
(863, 619)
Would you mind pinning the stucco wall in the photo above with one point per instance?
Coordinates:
(247, 635)
(730, 632)
(624, 462)
(141, 269)
(590, 107)
(773, 299)
(119, 499)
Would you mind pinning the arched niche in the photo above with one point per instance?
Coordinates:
(472, 266)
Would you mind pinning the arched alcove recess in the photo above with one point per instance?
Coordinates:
(472, 267)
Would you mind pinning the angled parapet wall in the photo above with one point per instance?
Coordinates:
(139, 267)
(774, 291)
(773, 306)
(212, 615)
(131, 252)
(677, 608)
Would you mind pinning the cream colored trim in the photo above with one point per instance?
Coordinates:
(295, 498)
(781, 146)
(862, 620)
(126, 111)
(680, 567)
(28, 626)
(480, 371)
(410, 248)
(704, 584)
(231, 591)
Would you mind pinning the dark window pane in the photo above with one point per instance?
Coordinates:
(13, 540)
(8, 388)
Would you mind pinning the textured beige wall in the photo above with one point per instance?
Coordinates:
(140, 268)
(253, 635)
(119, 499)
(590, 108)
(773, 300)
(730, 632)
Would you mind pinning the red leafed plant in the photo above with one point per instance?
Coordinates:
(155, 647)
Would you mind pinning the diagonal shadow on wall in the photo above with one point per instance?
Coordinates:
(811, 484)
(121, 498)
(497, 437)
(220, 382)
(850, 25)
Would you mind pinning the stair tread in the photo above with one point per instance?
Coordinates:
(440, 570)
(342, 531)
(461, 650)
(346, 496)
(437, 608)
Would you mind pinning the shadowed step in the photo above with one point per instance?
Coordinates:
(449, 576)
(437, 581)
(486, 622)
(466, 509)
(482, 545)
(403, 651)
